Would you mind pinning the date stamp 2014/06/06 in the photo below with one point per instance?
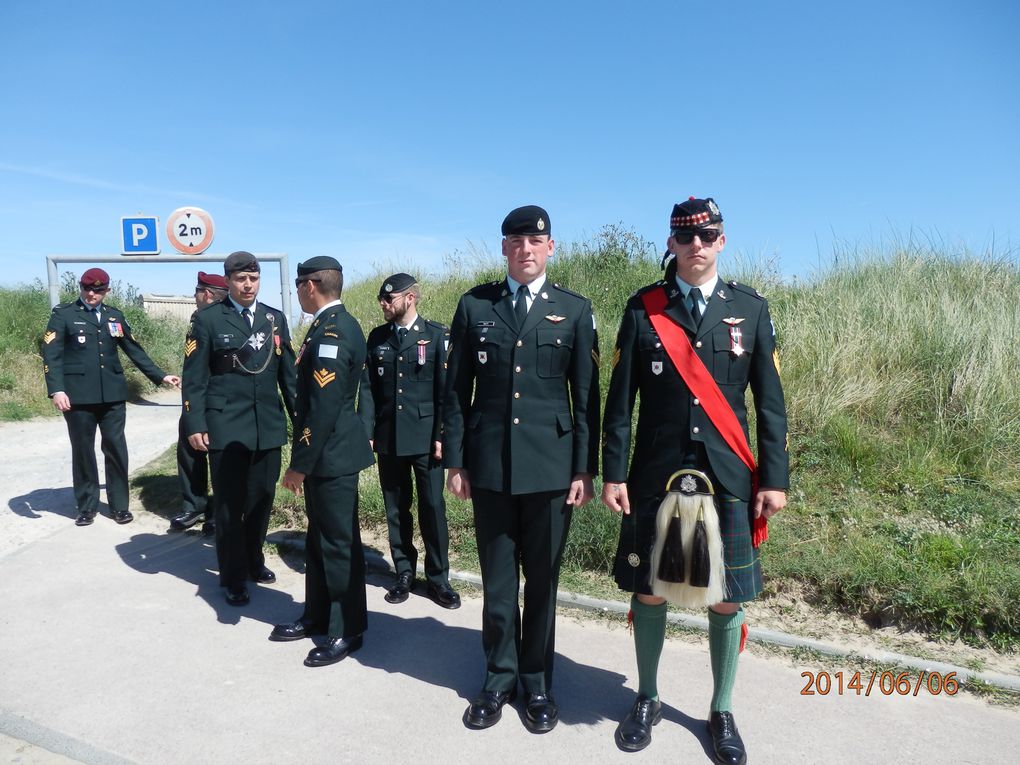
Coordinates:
(859, 683)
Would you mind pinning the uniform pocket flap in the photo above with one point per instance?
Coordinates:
(565, 422)
(560, 338)
(426, 409)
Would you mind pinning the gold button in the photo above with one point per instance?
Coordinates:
(517, 420)
(697, 429)
(520, 343)
(517, 395)
(517, 369)
(697, 344)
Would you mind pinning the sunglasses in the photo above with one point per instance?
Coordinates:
(97, 290)
(706, 235)
(390, 299)
(299, 282)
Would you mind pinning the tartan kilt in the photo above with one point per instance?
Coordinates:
(631, 570)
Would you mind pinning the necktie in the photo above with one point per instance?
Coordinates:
(521, 307)
(246, 313)
(695, 295)
(401, 334)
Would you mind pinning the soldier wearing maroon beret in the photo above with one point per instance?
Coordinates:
(193, 465)
(85, 380)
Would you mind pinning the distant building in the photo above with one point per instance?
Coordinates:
(169, 306)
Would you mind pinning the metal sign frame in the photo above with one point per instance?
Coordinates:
(268, 257)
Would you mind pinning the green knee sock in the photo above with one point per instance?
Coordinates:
(724, 648)
(649, 635)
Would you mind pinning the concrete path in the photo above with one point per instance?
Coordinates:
(116, 646)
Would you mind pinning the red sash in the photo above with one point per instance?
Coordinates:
(703, 387)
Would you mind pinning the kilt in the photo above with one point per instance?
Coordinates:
(632, 570)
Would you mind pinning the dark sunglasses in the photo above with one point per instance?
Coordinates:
(706, 235)
(97, 290)
(390, 299)
(298, 282)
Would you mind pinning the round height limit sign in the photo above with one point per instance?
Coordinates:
(189, 230)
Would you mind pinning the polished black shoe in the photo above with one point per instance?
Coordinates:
(85, 518)
(487, 707)
(398, 593)
(444, 595)
(264, 576)
(283, 633)
(185, 520)
(727, 746)
(237, 596)
(634, 733)
(541, 713)
(122, 516)
(209, 528)
(335, 649)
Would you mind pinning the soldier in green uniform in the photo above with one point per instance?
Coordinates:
(401, 404)
(85, 380)
(728, 328)
(238, 389)
(330, 450)
(193, 465)
(521, 441)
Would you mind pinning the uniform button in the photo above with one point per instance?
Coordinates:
(517, 370)
(517, 420)
(100, 366)
(697, 344)
(558, 341)
(481, 339)
(697, 429)
(400, 374)
(399, 406)
(517, 394)
(401, 358)
(696, 402)
(400, 390)
(520, 343)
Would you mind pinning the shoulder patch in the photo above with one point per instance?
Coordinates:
(746, 289)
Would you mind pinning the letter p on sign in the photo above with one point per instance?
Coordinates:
(139, 235)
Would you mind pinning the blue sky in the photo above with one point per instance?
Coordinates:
(390, 134)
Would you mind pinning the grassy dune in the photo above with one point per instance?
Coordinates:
(900, 369)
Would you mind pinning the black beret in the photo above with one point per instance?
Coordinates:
(318, 263)
(694, 213)
(526, 221)
(240, 261)
(397, 283)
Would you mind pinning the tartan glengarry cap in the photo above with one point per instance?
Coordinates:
(395, 284)
(211, 280)
(95, 277)
(241, 261)
(319, 263)
(527, 221)
(694, 213)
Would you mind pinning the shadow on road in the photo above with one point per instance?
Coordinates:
(56, 501)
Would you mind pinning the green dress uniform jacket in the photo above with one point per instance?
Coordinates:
(532, 423)
(401, 404)
(736, 343)
(80, 354)
(331, 448)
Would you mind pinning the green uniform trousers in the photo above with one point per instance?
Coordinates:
(82, 421)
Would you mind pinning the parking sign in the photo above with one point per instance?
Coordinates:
(140, 235)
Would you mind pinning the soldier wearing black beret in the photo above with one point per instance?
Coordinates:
(690, 345)
(401, 404)
(238, 391)
(193, 465)
(521, 441)
(85, 380)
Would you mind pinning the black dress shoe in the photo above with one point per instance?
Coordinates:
(444, 595)
(487, 707)
(335, 649)
(123, 516)
(264, 576)
(208, 528)
(185, 520)
(237, 596)
(541, 713)
(634, 733)
(283, 633)
(398, 593)
(85, 518)
(726, 742)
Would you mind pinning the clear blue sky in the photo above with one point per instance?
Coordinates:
(387, 134)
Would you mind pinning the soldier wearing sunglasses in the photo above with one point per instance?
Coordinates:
(693, 331)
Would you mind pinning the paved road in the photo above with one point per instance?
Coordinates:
(117, 647)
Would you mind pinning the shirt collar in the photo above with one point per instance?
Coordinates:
(240, 308)
(706, 289)
(330, 304)
(534, 287)
(409, 324)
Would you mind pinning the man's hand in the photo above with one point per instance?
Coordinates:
(458, 484)
(173, 380)
(581, 490)
(61, 401)
(199, 442)
(768, 502)
(614, 496)
(294, 481)
(437, 450)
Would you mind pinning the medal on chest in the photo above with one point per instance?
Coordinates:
(116, 329)
(421, 352)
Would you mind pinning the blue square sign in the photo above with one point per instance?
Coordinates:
(140, 236)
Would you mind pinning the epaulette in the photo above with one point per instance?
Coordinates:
(437, 325)
(59, 306)
(483, 289)
(270, 309)
(561, 288)
(647, 287)
(745, 289)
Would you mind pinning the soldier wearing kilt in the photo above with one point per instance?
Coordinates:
(729, 331)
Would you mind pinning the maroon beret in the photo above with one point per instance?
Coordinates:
(211, 280)
(95, 277)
